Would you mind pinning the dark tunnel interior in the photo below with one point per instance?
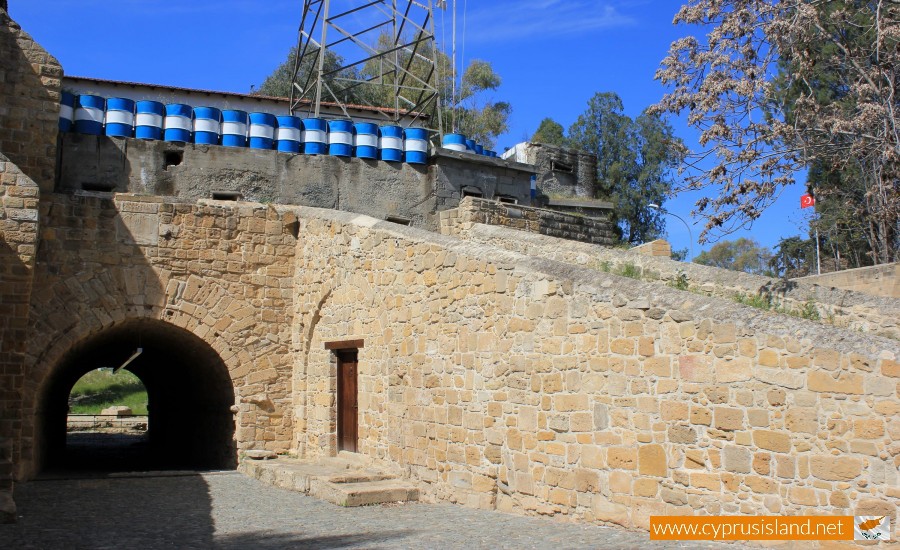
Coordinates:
(189, 391)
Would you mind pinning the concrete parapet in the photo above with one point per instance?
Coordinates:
(878, 280)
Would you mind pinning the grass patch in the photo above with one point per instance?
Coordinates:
(630, 270)
(808, 311)
(755, 300)
(101, 388)
(680, 282)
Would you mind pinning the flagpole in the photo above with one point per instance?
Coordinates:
(818, 259)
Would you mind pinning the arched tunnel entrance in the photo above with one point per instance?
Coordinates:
(189, 392)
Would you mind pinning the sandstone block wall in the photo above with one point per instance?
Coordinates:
(29, 99)
(843, 308)
(502, 380)
(30, 81)
(18, 246)
(523, 218)
(221, 270)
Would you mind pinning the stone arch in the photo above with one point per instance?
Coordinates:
(72, 312)
(189, 389)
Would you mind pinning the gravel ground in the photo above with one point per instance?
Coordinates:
(228, 510)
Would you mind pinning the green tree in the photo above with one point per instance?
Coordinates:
(278, 84)
(635, 162)
(740, 255)
(550, 132)
(472, 112)
(794, 257)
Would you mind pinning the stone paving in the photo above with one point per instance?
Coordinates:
(228, 510)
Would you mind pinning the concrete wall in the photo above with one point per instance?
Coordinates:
(561, 172)
(878, 280)
(523, 218)
(501, 380)
(376, 188)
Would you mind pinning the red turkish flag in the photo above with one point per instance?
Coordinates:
(807, 200)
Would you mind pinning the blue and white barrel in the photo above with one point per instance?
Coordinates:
(314, 136)
(479, 149)
(470, 145)
(492, 154)
(66, 111)
(89, 114)
(119, 117)
(262, 130)
(416, 145)
(366, 140)
(207, 125)
(148, 123)
(390, 143)
(340, 138)
(178, 123)
(454, 142)
(287, 137)
(234, 128)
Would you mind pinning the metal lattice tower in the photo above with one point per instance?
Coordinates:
(378, 43)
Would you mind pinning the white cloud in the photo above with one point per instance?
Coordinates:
(526, 19)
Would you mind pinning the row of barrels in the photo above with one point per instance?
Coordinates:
(176, 122)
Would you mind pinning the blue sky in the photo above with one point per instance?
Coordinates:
(553, 55)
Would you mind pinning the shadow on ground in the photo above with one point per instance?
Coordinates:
(148, 510)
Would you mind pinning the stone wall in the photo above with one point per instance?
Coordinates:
(527, 219)
(414, 193)
(503, 380)
(879, 280)
(29, 111)
(853, 310)
(221, 271)
(18, 245)
(29, 99)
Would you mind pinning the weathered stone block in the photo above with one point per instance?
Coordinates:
(737, 459)
(624, 458)
(835, 468)
(726, 418)
(652, 460)
(773, 441)
(845, 382)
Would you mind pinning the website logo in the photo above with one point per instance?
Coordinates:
(871, 528)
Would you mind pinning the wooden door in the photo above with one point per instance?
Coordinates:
(347, 406)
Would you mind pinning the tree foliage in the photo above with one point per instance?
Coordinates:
(278, 84)
(794, 257)
(472, 112)
(635, 159)
(739, 255)
(778, 86)
(550, 132)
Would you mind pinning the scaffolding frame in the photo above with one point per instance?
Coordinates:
(354, 36)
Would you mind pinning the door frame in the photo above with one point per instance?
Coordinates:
(342, 351)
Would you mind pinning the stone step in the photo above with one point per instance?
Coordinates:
(364, 493)
(345, 481)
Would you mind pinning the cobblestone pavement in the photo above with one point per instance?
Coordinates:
(228, 510)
